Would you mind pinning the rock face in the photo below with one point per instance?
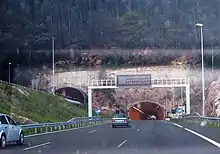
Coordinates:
(126, 97)
(23, 120)
(213, 99)
(130, 96)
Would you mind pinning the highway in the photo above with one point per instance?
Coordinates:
(153, 137)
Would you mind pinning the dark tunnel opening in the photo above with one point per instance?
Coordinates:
(73, 94)
(147, 111)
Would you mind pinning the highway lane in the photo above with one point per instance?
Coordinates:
(153, 137)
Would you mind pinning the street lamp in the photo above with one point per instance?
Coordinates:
(9, 72)
(203, 78)
(53, 65)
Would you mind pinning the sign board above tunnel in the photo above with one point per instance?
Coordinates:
(133, 80)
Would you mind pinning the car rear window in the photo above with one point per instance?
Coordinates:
(120, 116)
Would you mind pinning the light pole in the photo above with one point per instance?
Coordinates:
(9, 72)
(203, 78)
(53, 91)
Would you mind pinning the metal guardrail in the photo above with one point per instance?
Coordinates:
(42, 91)
(72, 123)
(196, 118)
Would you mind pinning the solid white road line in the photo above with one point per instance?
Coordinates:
(92, 131)
(65, 130)
(36, 146)
(178, 125)
(122, 143)
(199, 135)
(203, 137)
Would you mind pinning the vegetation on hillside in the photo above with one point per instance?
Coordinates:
(28, 26)
(37, 106)
(106, 23)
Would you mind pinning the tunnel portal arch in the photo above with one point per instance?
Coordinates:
(73, 94)
(143, 109)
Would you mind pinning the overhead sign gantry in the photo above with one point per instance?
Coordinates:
(137, 80)
(142, 80)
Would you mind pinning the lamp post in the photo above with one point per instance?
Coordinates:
(9, 72)
(203, 78)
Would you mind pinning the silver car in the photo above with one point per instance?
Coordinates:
(10, 131)
(120, 120)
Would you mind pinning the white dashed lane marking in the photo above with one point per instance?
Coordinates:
(92, 131)
(122, 143)
(36, 146)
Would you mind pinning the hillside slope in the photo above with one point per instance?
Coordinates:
(36, 106)
(107, 23)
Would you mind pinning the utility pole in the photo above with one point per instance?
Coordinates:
(9, 72)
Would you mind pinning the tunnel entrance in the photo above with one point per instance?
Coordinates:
(147, 110)
(73, 94)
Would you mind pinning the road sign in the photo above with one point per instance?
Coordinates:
(134, 80)
(179, 110)
(97, 110)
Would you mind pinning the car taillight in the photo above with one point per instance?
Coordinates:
(113, 120)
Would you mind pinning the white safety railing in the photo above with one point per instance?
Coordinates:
(163, 81)
(170, 81)
(102, 83)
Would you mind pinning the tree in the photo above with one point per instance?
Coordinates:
(131, 30)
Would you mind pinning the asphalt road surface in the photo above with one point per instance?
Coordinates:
(153, 137)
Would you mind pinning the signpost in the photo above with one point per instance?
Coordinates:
(180, 110)
(134, 80)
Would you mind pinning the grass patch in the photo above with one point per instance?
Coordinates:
(37, 106)
(213, 124)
